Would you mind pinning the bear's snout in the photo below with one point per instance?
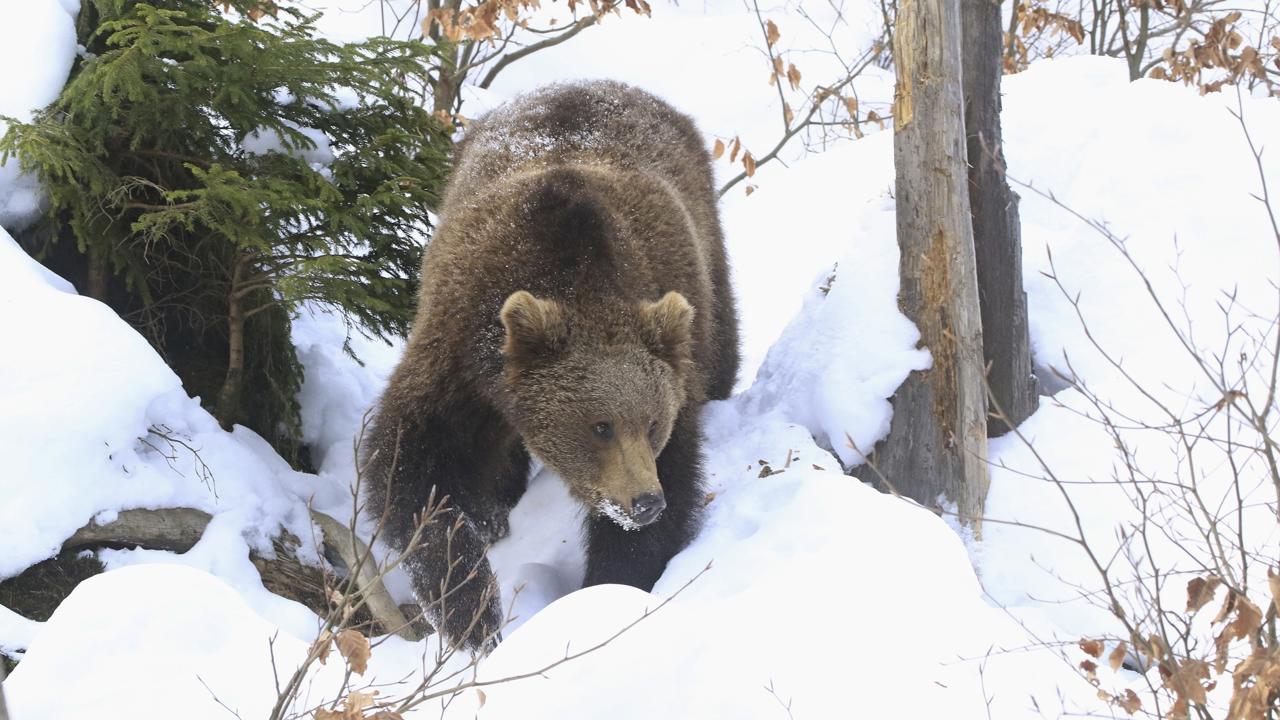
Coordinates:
(647, 507)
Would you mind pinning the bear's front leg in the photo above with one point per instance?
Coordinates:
(453, 582)
(639, 557)
(465, 494)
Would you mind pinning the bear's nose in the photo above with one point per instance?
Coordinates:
(647, 507)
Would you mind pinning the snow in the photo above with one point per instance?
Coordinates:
(768, 613)
(836, 364)
(80, 404)
(175, 638)
(807, 592)
(265, 140)
(338, 388)
(1178, 188)
(38, 36)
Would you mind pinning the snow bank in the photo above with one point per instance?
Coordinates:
(338, 389)
(37, 47)
(48, 430)
(848, 348)
(155, 642)
(83, 393)
(794, 599)
(150, 642)
(832, 594)
(1174, 181)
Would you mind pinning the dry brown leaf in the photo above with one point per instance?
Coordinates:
(1228, 605)
(793, 76)
(1185, 682)
(787, 115)
(1200, 591)
(482, 696)
(322, 646)
(1255, 681)
(1156, 647)
(717, 150)
(1116, 658)
(447, 20)
(386, 715)
(356, 703)
(1130, 703)
(640, 7)
(733, 150)
(323, 714)
(771, 33)
(1090, 669)
(751, 189)
(1092, 648)
(355, 648)
(1248, 620)
(749, 163)
(1273, 580)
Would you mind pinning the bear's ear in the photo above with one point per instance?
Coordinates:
(666, 327)
(535, 328)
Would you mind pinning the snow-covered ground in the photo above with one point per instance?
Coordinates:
(821, 594)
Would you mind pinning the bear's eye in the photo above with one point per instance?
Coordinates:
(653, 431)
(603, 430)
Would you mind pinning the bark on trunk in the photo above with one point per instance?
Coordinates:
(444, 90)
(937, 441)
(232, 385)
(96, 282)
(997, 237)
(4, 713)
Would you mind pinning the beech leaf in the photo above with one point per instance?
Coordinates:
(1200, 591)
(1116, 658)
(355, 648)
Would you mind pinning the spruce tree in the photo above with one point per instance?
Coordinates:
(217, 166)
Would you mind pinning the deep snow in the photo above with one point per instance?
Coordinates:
(840, 599)
(37, 47)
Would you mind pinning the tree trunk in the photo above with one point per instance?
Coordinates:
(232, 386)
(937, 441)
(4, 713)
(96, 281)
(997, 238)
(444, 89)
(1135, 48)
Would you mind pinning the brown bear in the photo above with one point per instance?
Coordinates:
(575, 307)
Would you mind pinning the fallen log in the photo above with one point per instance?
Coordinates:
(179, 529)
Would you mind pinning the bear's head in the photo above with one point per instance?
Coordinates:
(595, 393)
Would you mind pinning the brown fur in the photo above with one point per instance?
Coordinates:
(578, 279)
